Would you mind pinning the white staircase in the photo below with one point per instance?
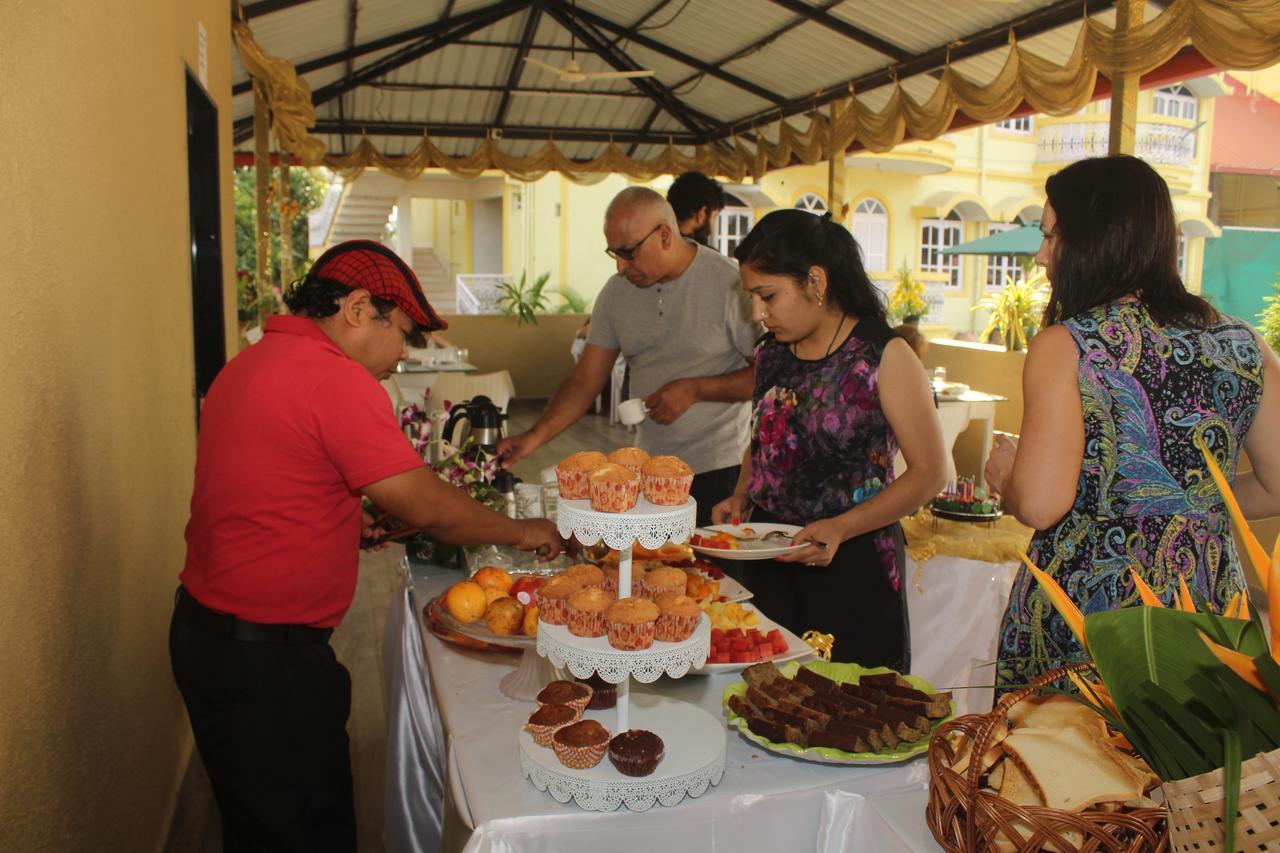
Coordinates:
(361, 215)
(436, 284)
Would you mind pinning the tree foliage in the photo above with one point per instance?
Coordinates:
(1270, 318)
(306, 192)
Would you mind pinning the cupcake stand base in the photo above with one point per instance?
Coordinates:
(694, 760)
(526, 681)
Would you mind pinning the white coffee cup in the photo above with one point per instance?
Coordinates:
(632, 411)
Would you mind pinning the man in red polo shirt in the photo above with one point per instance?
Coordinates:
(293, 432)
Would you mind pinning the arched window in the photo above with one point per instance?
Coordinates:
(999, 266)
(871, 230)
(936, 235)
(811, 202)
(732, 224)
(1175, 102)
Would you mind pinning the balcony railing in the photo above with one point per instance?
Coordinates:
(479, 293)
(1158, 142)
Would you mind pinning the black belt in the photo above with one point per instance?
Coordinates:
(230, 627)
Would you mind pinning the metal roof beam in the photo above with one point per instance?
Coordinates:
(849, 31)
(701, 125)
(1024, 26)
(444, 25)
(517, 63)
(522, 90)
(680, 56)
(535, 132)
(266, 7)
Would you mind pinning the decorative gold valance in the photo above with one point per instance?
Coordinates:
(1240, 34)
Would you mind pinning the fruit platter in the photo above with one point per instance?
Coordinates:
(760, 541)
(836, 713)
(965, 501)
(741, 636)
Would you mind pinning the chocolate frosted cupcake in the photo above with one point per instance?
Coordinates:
(678, 616)
(552, 598)
(549, 719)
(581, 745)
(586, 611)
(570, 693)
(630, 623)
(636, 752)
(603, 694)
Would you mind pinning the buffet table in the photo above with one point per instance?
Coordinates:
(452, 745)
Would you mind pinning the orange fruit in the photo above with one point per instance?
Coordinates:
(492, 577)
(492, 594)
(465, 601)
(530, 627)
(504, 616)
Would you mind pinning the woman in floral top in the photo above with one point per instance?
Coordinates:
(837, 393)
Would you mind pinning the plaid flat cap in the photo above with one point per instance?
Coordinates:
(377, 269)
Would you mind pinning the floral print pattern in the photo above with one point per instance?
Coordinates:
(1144, 497)
(820, 443)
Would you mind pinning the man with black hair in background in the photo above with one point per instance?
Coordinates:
(696, 200)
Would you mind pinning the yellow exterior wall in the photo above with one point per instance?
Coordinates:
(97, 424)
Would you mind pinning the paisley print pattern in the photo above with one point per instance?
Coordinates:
(1144, 497)
(820, 443)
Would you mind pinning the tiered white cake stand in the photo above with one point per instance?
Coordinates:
(694, 740)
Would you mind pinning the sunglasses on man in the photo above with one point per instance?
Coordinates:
(628, 253)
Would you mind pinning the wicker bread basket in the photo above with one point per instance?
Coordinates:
(1196, 806)
(962, 817)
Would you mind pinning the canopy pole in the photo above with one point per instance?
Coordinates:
(1124, 87)
(262, 175)
(835, 172)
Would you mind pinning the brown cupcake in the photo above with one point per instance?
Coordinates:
(586, 611)
(666, 480)
(571, 473)
(571, 693)
(662, 579)
(613, 488)
(636, 752)
(586, 574)
(581, 745)
(603, 694)
(629, 457)
(552, 597)
(678, 616)
(548, 719)
(630, 622)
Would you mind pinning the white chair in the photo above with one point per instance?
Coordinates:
(393, 391)
(456, 387)
(953, 417)
(615, 389)
(413, 385)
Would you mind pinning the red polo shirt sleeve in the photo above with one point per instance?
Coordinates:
(359, 434)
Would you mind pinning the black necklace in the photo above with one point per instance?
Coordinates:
(831, 345)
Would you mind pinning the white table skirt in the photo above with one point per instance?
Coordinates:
(765, 801)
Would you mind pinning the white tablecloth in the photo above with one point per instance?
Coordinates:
(765, 801)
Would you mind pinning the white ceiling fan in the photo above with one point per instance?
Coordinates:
(573, 73)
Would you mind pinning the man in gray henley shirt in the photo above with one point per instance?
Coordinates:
(676, 311)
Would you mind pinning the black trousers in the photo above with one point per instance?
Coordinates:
(270, 723)
(711, 487)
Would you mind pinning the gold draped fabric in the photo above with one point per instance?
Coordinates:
(1243, 34)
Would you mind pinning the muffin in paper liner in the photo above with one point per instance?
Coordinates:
(543, 732)
(656, 581)
(667, 491)
(574, 485)
(636, 752)
(553, 609)
(579, 756)
(630, 636)
(575, 694)
(675, 629)
(586, 623)
(614, 495)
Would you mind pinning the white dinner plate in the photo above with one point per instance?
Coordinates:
(796, 648)
(757, 550)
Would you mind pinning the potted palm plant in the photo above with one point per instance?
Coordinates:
(907, 302)
(1016, 309)
(524, 300)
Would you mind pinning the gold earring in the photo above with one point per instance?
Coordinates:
(819, 300)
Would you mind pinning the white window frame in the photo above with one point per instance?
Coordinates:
(1175, 102)
(1182, 257)
(732, 225)
(997, 266)
(871, 231)
(812, 203)
(939, 234)
(1021, 125)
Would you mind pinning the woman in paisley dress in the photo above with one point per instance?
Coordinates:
(1129, 375)
(836, 394)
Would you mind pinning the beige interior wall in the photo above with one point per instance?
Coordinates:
(97, 425)
(982, 368)
(537, 356)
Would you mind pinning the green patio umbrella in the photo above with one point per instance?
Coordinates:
(1015, 241)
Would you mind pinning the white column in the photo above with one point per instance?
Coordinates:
(404, 227)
